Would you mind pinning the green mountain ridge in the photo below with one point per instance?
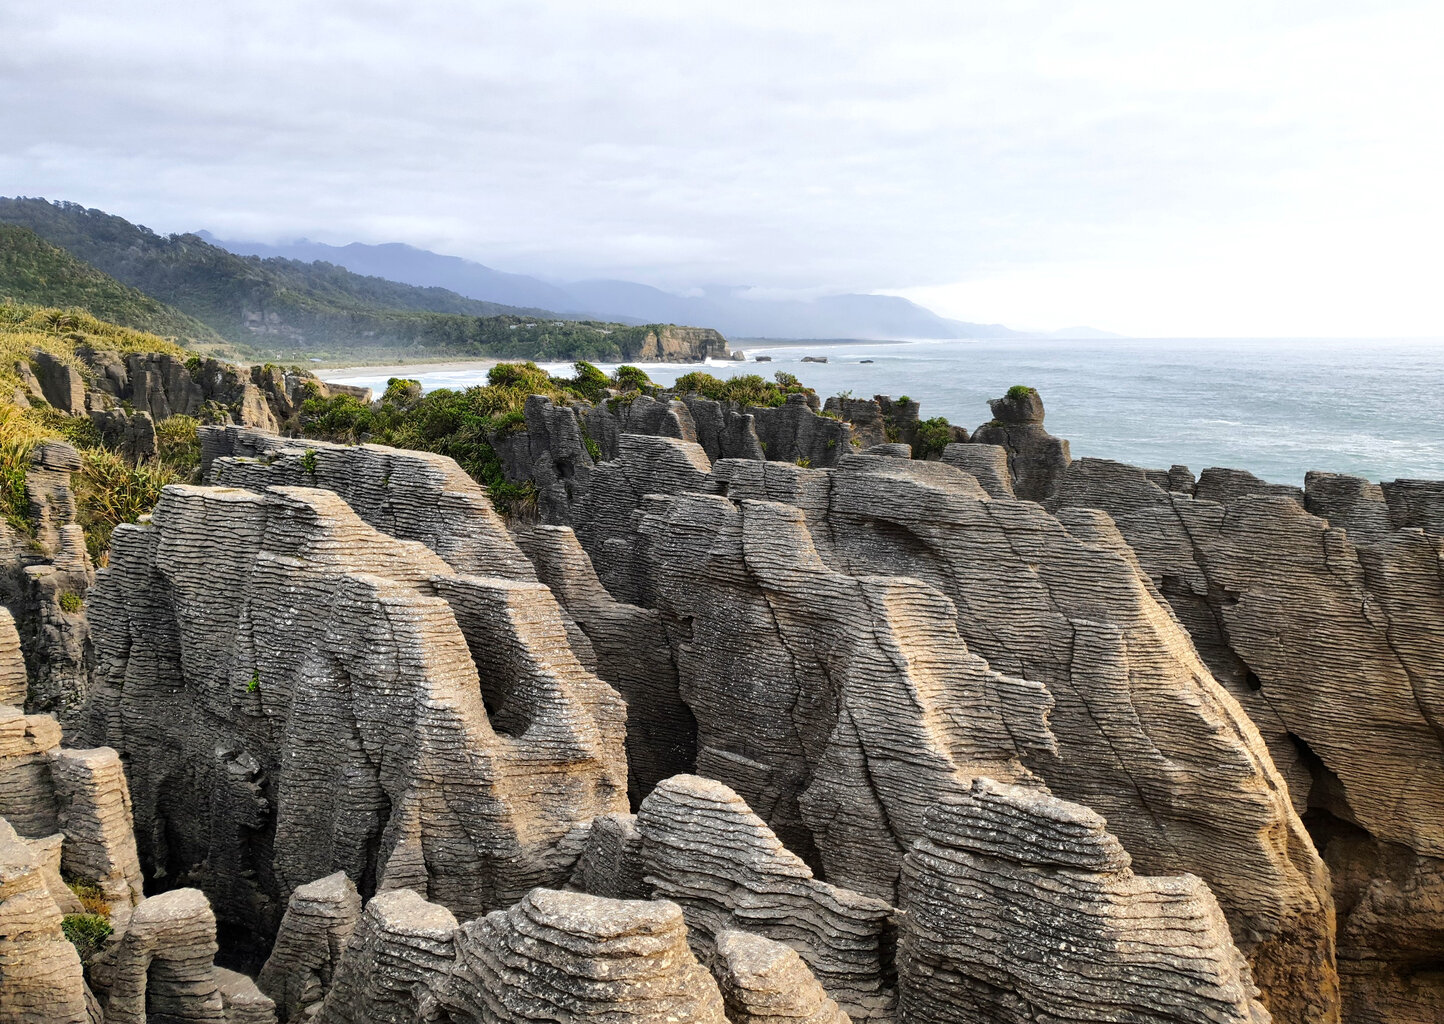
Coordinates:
(35, 272)
(281, 309)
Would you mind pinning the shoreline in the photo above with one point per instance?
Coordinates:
(440, 365)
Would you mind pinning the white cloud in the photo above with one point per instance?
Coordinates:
(1236, 167)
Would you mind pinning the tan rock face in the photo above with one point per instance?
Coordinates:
(1023, 907)
(319, 689)
(766, 982)
(40, 975)
(704, 849)
(321, 917)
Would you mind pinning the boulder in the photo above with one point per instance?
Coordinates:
(320, 919)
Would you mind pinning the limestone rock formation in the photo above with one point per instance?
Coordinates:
(40, 974)
(986, 463)
(55, 631)
(558, 956)
(1036, 458)
(164, 968)
(1328, 637)
(402, 946)
(13, 680)
(632, 654)
(704, 849)
(766, 982)
(1145, 735)
(1022, 907)
(318, 688)
(610, 864)
(320, 919)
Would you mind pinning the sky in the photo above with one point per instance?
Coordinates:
(1157, 169)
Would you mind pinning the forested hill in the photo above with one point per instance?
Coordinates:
(280, 308)
(34, 271)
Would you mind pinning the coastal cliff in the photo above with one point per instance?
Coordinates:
(711, 702)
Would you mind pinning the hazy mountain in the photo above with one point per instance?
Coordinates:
(732, 310)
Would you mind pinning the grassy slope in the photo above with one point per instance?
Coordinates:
(108, 490)
(32, 271)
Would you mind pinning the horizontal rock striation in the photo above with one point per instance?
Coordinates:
(321, 917)
(1022, 907)
(704, 849)
(1323, 619)
(558, 956)
(766, 982)
(1145, 735)
(401, 947)
(296, 693)
(40, 974)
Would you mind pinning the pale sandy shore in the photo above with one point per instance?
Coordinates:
(404, 369)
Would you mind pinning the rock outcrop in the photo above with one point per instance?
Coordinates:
(569, 956)
(1022, 907)
(296, 693)
(766, 982)
(40, 974)
(704, 850)
(1036, 459)
(321, 917)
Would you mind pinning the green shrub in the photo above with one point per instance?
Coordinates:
(308, 461)
(1020, 391)
(589, 382)
(633, 378)
(86, 932)
(254, 684)
(932, 437)
(91, 896)
(71, 602)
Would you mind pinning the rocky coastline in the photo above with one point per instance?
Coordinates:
(801, 712)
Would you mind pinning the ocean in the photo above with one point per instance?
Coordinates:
(1277, 408)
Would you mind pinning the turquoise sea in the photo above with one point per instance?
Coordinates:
(1275, 407)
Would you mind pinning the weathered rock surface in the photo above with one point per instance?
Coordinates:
(13, 680)
(320, 919)
(610, 864)
(985, 463)
(1328, 636)
(766, 982)
(704, 849)
(402, 946)
(1022, 907)
(296, 693)
(164, 969)
(40, 973)
(632, 654)
(1036, 459)
(1145, 735)
(558, 956)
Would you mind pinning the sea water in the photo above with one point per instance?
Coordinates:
(1277, 408)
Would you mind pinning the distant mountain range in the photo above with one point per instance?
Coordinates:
(731, 310)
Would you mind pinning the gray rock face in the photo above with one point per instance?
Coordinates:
(1142, 728)
(633, 654)
(610, 864)
(1329, 638)
(296, 693)
(401, 947)
(321, 917)
(766, 982)
(1022, 907)
(56, 634)
(985, 463)
(1036, 459)
(61, 383)
(47, 488)
(164, 969)
(558, 956)
(1415, 503)
(704, 849)
(40, 974)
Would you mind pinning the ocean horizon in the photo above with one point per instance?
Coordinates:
(1277, 407)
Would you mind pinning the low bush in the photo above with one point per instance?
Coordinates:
(86, 932)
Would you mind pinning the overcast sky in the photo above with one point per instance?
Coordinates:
(1151, 167)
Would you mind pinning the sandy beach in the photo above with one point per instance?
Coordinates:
(339, 373)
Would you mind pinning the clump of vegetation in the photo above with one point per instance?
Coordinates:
(71, 602)
(91, 896)
(746, 389)
(466, 425)
(253, 685)
(308, 461)
(109, 489)
(87, 933)
(1019, 392)
(931, 437)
